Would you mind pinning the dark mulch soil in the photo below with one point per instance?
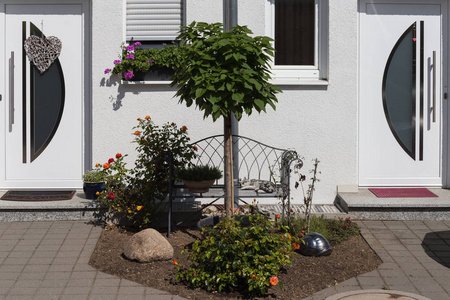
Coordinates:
(306, 276)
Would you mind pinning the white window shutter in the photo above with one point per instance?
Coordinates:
(153, 20)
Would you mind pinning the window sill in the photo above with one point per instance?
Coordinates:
(148, 82)
(298, 81)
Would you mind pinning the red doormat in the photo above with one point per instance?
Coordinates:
(403, 193)
(37, 195)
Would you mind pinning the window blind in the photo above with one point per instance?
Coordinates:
(153, 20)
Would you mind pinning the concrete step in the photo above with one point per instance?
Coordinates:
(77, 208)
(364, 205)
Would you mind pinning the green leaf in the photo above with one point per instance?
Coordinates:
(200, 92)
(237, 97)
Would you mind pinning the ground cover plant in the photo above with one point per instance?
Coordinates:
(306, 275)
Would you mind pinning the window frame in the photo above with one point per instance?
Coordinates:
(298, 74)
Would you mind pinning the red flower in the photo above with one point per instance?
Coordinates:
(195, 148)
(184, 128)
(175, 262)
(106, 165)
(111, 195)
(277, 216)
(147, 117)
(110, 160)
(137, 132)
(273, 280)
(118, 155)
(138, 119)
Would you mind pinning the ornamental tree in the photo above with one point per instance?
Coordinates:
(224, 73)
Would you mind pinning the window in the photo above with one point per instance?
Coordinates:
(153, 21)
(300, 31)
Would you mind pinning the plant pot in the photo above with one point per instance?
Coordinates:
(198, 186)
(91, 189)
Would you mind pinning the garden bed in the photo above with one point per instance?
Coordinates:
(306, 276)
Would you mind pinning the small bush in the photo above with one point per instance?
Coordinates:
(234, 257)
(334, 230)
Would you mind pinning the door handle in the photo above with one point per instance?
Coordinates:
(11, 89)
(434, 86)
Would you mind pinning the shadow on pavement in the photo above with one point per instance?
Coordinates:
(437, 246)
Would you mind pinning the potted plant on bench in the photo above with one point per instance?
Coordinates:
(199, 178)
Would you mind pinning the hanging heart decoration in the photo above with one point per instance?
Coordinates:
(42, 51)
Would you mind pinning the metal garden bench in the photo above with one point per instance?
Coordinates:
(256, 161)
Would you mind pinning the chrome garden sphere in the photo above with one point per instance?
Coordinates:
(315, 244)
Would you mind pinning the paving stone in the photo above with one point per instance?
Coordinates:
(107, 282)
(27, 283)
(104, 290)
(22, 290)
(76, 290)
(83, 274)
(85, 282)
(131, 290)
(395, 225)
(370, 281)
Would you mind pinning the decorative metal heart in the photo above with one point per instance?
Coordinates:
(42, 52)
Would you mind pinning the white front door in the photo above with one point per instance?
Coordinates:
(401, 74)
(42, 110)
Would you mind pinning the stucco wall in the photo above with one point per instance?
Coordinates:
(317, 121)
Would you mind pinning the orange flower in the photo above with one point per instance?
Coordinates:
(137, 132)
(277, 216)
(184, 128)
(98, 193)
(289, 236)
(175, 262)
(295, 245)
(253, 276)
(273, 280)
(139, 207)
(118, 155)
(106, 165)
(138, 119)
(195, 148)
(97, 165)
(147, 117)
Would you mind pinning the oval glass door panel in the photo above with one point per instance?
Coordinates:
(399, 91)
(47, 102)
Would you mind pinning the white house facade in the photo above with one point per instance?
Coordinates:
(364, 88)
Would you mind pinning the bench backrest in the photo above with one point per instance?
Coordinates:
(255, 159)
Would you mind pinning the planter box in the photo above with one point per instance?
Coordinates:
(161, 74)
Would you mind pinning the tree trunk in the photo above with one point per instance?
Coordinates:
(228, 157)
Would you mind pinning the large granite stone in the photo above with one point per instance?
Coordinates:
(148, 245)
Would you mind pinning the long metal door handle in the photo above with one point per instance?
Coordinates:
(11, 89)
(434, 86)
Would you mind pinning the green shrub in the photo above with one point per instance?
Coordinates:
(334, 230)
(140, 193)
(234, 257)
(198, 173)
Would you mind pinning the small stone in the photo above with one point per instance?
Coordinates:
(148, 245)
